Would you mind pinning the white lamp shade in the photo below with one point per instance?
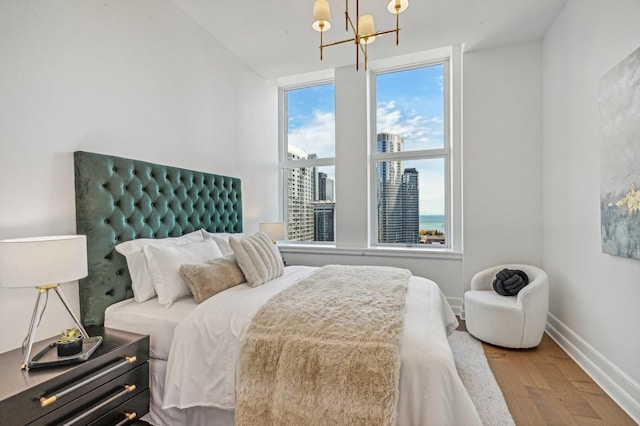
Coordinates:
(274, 230)
(321, 15)
(31, 262)
(366, 26)
(397, 6)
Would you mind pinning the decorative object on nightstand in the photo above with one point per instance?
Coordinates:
(69, 342)
(274, 230)
(44, 263)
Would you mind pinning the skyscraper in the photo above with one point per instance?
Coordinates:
(389, 175)
(398, 196)
(300, 191)
(410, 206)
(324, 220)
(325, 187)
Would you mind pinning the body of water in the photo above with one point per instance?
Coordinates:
(432, 222)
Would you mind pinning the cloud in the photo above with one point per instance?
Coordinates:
(317, 136)
(418, 131)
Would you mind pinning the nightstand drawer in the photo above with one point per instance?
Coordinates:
(127, 412)
(92, 405)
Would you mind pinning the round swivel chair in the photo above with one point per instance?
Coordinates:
(508, 321)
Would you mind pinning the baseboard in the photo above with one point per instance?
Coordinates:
(620, 387)
(456, 305)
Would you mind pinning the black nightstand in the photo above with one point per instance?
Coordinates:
(110, 388)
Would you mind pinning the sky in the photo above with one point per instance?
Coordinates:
(409, 103)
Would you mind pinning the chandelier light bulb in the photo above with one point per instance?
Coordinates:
(366, 27)
(321, 15)
(397, 6)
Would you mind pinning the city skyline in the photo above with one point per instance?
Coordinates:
(408, 104)
(311, 205)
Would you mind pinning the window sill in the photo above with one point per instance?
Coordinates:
(423, 253)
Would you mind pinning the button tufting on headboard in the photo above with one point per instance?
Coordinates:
(119, 199)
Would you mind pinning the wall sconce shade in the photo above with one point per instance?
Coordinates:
(274, 230)
(30, 262)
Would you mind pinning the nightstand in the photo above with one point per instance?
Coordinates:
(110, 388)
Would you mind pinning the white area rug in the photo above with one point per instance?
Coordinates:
(478, 379)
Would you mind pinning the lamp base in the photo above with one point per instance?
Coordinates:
(38, 310)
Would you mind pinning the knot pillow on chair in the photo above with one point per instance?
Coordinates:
(509, 282)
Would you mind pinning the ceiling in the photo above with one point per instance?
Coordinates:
(275, 38)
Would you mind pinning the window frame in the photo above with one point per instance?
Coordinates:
(357, 241)
(424, 154)
(284, 164)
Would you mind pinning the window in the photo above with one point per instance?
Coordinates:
(396, 151)
(308, 165)
(410, 158)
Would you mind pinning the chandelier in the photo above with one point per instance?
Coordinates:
(363, 30)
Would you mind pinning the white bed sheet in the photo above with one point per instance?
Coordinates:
(201, 369)
(158, 416)
(152, 318)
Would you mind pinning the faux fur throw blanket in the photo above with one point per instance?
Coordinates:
(325, 351)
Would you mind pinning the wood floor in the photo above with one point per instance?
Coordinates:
(544, 386)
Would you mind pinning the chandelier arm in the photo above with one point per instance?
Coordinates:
(350, 23)
(365, 56)
(357, 17)
(379, 33)
(347, 40)
(346, 16)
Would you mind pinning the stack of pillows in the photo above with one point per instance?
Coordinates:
(200, 264)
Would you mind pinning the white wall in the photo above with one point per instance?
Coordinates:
(502, 157)
(594, 296)
(133, 79)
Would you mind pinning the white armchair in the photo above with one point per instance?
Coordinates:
(509, 321)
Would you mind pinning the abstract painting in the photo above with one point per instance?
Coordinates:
(619, 102)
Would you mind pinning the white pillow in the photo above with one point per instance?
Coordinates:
(164, 266)
(222, 239)
(258, 257)
(141, 281)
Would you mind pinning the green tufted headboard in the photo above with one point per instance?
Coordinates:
(119, 199)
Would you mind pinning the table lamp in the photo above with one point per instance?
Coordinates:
(274, 230)
(43, 263)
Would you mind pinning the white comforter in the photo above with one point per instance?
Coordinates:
(202, 361)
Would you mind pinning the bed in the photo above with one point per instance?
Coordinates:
(196, 347)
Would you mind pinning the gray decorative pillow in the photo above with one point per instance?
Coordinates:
(210, 278)
(258, 257)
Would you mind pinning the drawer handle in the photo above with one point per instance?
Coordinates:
(127, 418)
(127, 389)
(47, 400)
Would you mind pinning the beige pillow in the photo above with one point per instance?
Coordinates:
(258, 257)
(210, 278)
